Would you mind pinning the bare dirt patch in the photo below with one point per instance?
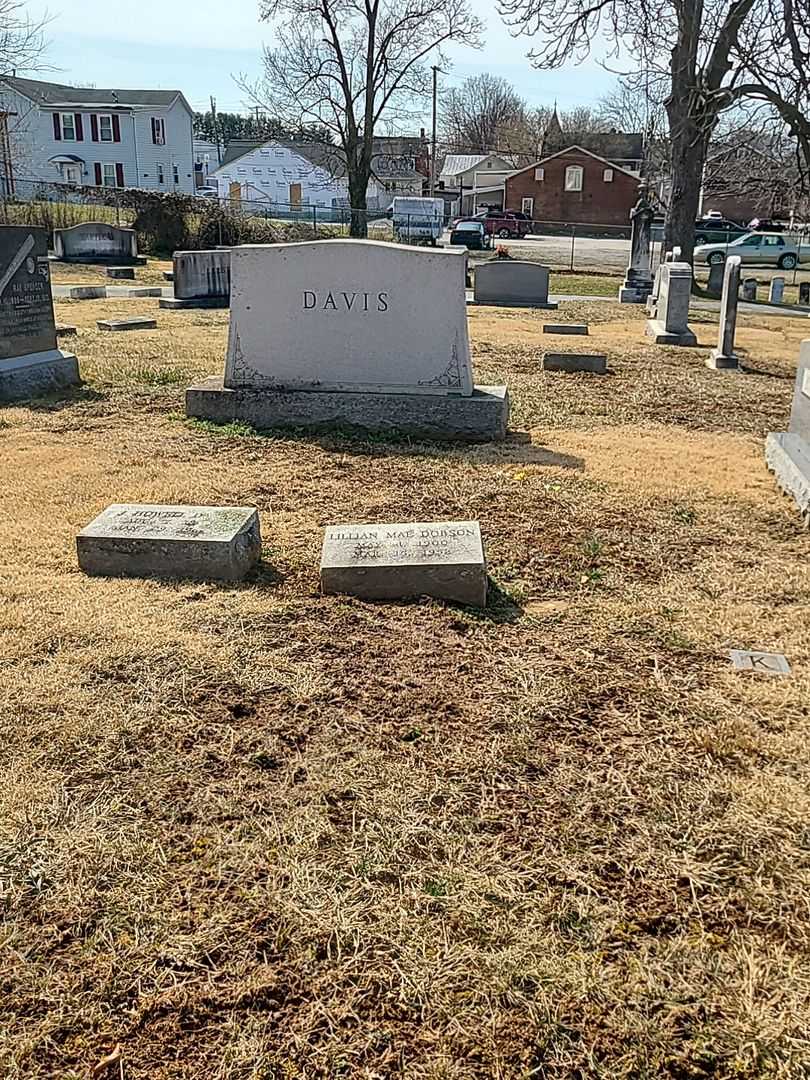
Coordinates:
(251, 832)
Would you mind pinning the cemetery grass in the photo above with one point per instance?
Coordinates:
(251, 832)
(96, 274)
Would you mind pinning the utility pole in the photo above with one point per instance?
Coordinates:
(216, 127)
(435, 71)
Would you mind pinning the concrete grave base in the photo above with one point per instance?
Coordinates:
(125, 272)
(88, 292)
(36, 374)
(719, 361)
(202, 543)
(788, 457)
(144, 323)
(102, 260)
(565, 328)
(549, 305)
(171, 303)
(661, 336)
(141, 290)
(633, 296)
(483, 417)
(571, 362)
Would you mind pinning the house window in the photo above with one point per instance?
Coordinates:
(527, 207)
(540, 174)
(105, 127)
(607, 176)
(108, 178)
(158, 131)
(175, 174)
(573, 178)
(68, 126)
(161, 175)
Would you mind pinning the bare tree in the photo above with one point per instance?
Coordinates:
(480, 114)
(705, 56)
(21, 38)
(351, 65)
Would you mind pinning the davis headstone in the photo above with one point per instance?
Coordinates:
(787, 453)
(444, 559)
(512, 283)
(671, 324)
(638, 280)
(199, 542)
(30, 362)
(97, 242)
(201, 279)
(724, 357)
(354, 333)
(777, 290)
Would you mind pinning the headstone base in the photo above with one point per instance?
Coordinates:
(596, 363)
(87, 292)
(652, 306)
(483, 417)
(126, 272)
(505, 301)
(37, 374)
(173, 304)
(719, 361)
(661, 336)
(102, 260)
(788, 457)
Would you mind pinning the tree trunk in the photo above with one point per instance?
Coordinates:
(358, 185)
(687, 158)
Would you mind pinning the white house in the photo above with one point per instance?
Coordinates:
(298, 175)
(474, 179)
(88, 137)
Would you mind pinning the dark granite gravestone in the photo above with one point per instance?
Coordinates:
(201, 279)
(804, 292)
(787, 453)
(97, 242)
(513, 283)
(30, 362)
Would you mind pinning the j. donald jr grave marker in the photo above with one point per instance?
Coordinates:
(351, 333)
(444, 559)
(30, 362)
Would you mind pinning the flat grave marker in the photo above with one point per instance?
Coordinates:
(137, 323)
(566, 328)
(596, 363)
(761, 663)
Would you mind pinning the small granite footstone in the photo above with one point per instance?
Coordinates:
(443, 559)
(65, 330)
(762, 663)
(141, 323)
(125, 272)
(593, 362)
(88, 292)
(565, 328)
(203, 543)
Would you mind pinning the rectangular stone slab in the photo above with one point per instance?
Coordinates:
(26, 306)
(593, 362)
(566, 328)
(482, 417)
(125, 272)
(355, 315)
(512, 283)
(444, 559)
(96, 241)
(88, 292)
(203, 543)
(202, 274)
(139, 323)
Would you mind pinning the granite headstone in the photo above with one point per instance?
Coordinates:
(202, 279)
(97, 242)
(787, 453)
(512, 283)
(724, 357)
(670, 326)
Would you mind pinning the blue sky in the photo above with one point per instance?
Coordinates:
(199, 46)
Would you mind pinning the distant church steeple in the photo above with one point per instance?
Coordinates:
(553, 136)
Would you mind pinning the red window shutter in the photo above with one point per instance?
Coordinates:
(94, 127)
(98, 174)
(79, 129)
(116, 128)
(57, 126)
(119, 175)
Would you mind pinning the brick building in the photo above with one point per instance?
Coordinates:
(573, 186)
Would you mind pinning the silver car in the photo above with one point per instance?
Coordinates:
(756, 248)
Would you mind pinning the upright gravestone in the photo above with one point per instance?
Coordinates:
(788, 452)
(804, 292)
(652, 299)
(724, 357)
(30, 362)
(638, 282)
(202, 279)
(97, 242)
(749, 289)
(717, 273)
(352, 333)
(671, 324)
(512, 283)
(777, 290)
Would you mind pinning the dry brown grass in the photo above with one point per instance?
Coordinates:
(251, 832)
(96, 274)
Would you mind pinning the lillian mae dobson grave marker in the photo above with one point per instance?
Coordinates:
(97, 242)
(512, 283)
(203, 543)
(202, 279)
(444, 559)
(354, 333)
(787, 453)
(30, 362)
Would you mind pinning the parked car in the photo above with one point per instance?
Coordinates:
(763, 249)
(207, 193)
(471, 234)
(765, 225)
(716, 230)
(418, 220)
(506, 224)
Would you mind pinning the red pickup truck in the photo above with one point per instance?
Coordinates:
(507, 224)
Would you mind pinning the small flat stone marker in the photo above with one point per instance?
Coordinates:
(138, 323)
(125, 272)
(593, 362)
(565, 328)
(763, 663)
(204, 543)
(65, 330)
(443, 559)
(88, 292)
(142, 290)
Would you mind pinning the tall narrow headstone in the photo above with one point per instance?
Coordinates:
(30, 362)
(716, 278)
(638, 280)
(671, 324)
(804, 292)
(776, 291)
(724, 356)
(788, 452)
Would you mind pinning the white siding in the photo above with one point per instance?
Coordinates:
(178, 149)
(265, 175)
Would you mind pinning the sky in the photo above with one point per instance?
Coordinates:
(202, 47)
